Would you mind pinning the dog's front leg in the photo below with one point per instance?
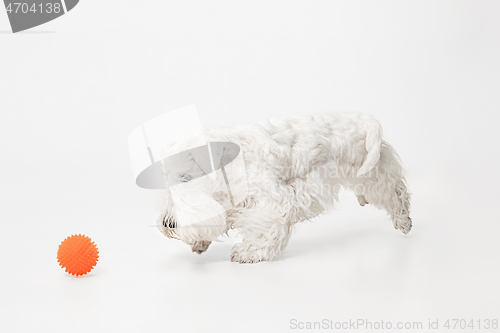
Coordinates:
(263, 241)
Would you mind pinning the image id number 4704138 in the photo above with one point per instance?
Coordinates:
(471, 324)
(23, 7)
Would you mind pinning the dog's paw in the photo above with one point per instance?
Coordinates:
(403, 223)
(244, 256)
(362, 200)
(200, 247)
(245, 259)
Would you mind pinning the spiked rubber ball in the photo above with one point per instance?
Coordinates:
(78, 254)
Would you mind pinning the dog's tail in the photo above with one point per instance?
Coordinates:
(373, 143)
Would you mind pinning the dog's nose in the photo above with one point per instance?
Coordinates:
(199, 251)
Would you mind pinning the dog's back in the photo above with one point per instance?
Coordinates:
(308, 142)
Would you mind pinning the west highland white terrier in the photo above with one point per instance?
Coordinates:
(292, 169)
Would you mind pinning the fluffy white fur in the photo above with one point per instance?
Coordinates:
(295, 168)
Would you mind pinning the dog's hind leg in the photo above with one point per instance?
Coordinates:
(398, 207)
(386, 188)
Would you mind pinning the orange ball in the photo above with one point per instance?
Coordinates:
(78, 254)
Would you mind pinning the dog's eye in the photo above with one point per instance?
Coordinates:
(185, 178)
(168, 223)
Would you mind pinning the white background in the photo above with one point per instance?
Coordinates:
(72, 90)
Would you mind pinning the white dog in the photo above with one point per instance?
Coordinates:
(294, 168)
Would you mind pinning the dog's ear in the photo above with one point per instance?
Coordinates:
(202, 158)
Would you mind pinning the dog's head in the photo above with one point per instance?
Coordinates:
(198, 193)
